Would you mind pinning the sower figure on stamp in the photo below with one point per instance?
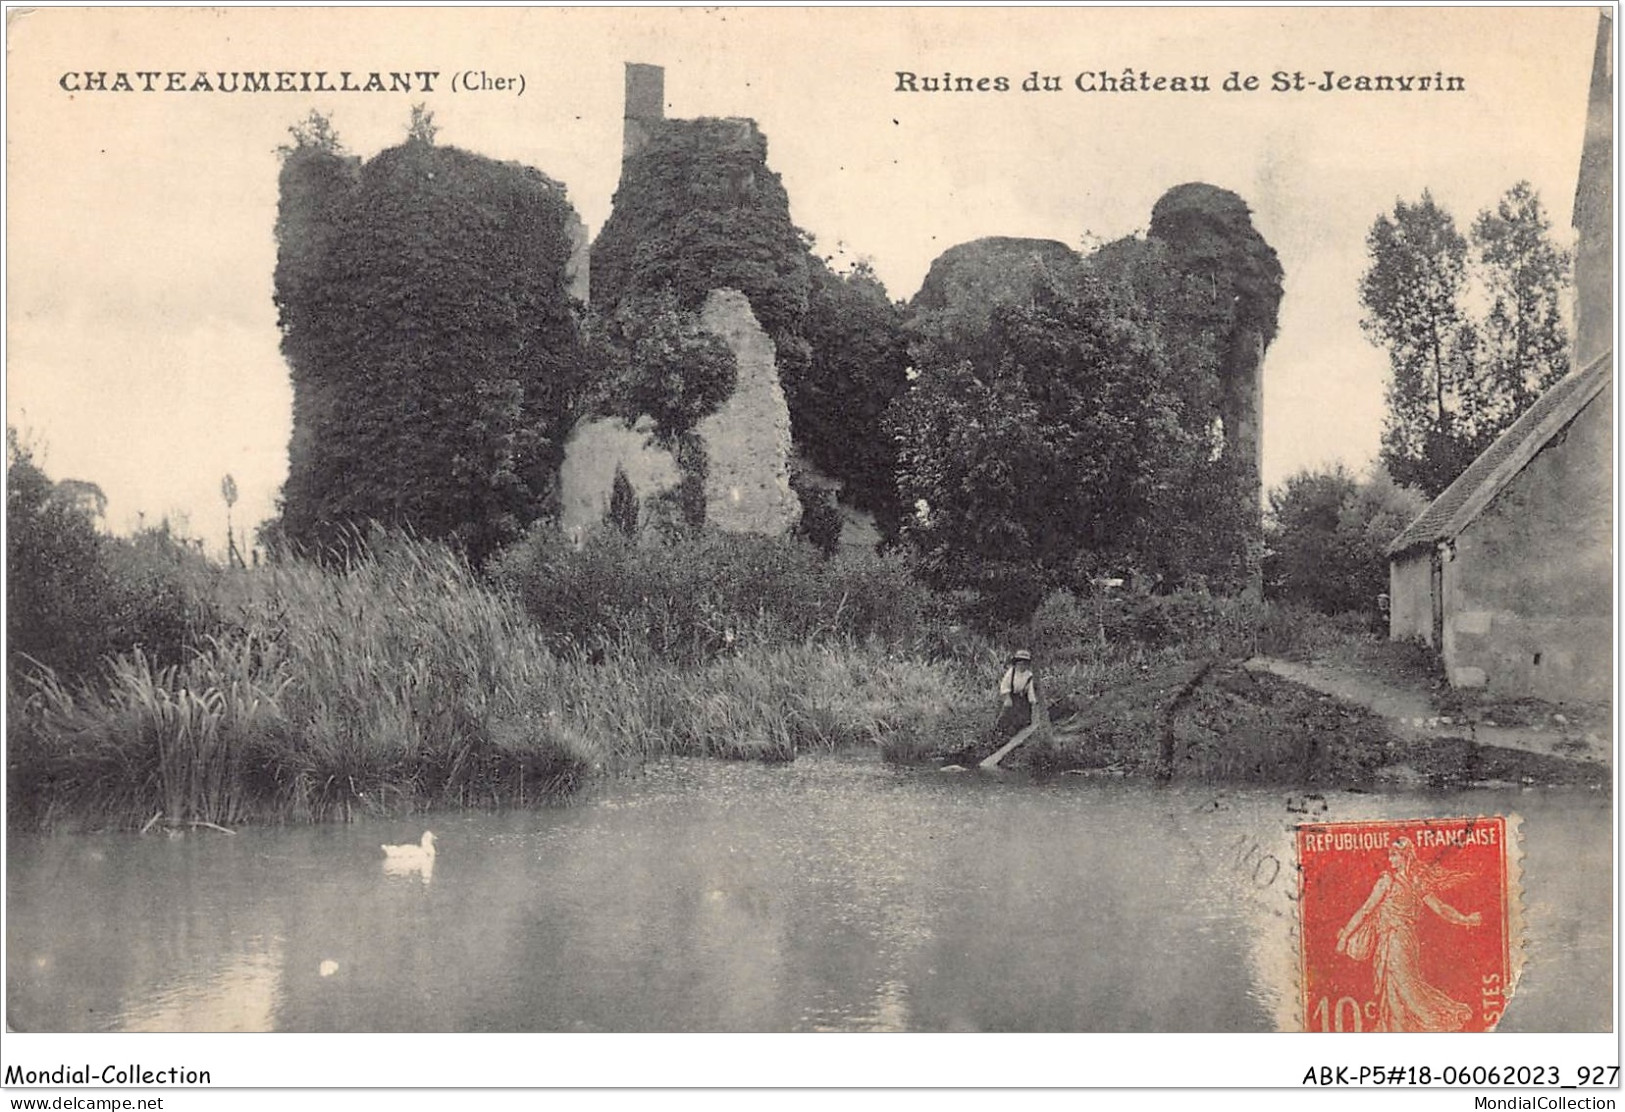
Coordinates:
(1384, 932)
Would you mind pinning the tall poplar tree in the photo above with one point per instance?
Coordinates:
(1525, 345)
(1412, 293)
(1458, 379)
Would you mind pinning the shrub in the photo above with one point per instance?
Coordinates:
(75, 598)
(164, 598)
(1065, 626)
(1196, 623)
(820, 524)
(1296, 631)
(623, 504)
(693, 598)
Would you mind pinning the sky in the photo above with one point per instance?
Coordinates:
(142, 342)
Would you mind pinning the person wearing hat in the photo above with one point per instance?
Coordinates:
(1017, 695)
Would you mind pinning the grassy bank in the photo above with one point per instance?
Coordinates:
(403, 681)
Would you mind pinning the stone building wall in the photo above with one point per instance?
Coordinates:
(1529, 593)
(1410, 591)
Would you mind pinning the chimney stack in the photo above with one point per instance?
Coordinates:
(645, 106)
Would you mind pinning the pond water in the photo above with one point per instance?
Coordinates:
(835, 893)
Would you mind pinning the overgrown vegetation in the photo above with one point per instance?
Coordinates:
(395, 681)
(402, 680)
(1081, 419)
(1065, 447)
(695, 599)
(858, 365)
(1072, 445)
(698, 209)
(434, 348)
(656, 360)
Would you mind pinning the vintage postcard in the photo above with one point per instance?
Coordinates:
(570, 526)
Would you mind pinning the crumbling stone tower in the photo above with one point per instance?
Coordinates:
(645, 107)
(1210, 236)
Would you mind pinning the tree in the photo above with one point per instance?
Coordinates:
(623, 504)
(1458, 380)
(859, 365)
(656, 359)
(1068, 444)
(436, 358)
(974, 466)
(75, 597)
(1411, 293)
(313, 133)
(56, 580)
(422, 128)
(1328, 535)
(1524, 343)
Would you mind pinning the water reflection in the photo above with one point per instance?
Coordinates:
(420, 868)
(241, 995)
(830, 894)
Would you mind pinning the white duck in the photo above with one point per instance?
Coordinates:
(411, 854)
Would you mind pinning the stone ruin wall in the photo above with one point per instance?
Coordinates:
(747, 440)
(747, 443)
(576, 270)
(596, 447)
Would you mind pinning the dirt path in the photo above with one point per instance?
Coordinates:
(1410, 713)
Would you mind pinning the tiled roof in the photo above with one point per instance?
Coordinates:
(1489, 474)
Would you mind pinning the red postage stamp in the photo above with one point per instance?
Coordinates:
(1406, 925)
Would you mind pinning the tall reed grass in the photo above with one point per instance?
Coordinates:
(401, 681)
(396, 682)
